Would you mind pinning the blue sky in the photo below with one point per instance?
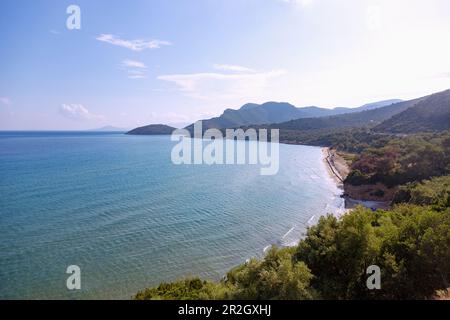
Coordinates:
(138, 62)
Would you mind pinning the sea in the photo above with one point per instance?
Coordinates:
(117, 207)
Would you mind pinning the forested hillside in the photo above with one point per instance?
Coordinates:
(348, 120)
(409, 243)
(252, 114)
(430, 114)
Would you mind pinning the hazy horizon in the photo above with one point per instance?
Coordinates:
(176, 125)
(174, 63)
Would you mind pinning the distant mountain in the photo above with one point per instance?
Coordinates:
(153, 129)
(110, 129)
(350, 120)
(430, 114)
(379, 104)
(249, 114)
(285, 116)
(277, 112)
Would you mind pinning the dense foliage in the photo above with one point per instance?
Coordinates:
(411, 245)
(277, 276)
(402, 160)
(347, 140)
(431, 114)
(347, 120)
(426, 114)
(189, 289)
(434, 192)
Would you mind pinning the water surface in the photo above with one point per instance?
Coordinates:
(116, 206)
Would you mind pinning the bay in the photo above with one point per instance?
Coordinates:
(116, 206)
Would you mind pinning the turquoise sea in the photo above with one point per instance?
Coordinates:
(117, 207)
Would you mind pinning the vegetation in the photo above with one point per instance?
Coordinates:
(352, 140)
(385, 153)
(392, 160)
(410, 244)
(434, 192)
(153, 129)
(277, 276)
(189, 289)
(399, 118)
(278, 112)
(349, 120)
(434, 115)
(402, 160)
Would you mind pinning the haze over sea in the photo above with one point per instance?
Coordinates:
(116, 206)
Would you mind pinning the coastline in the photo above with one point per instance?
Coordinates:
(337, 174)
(336, 166)
(338, 169)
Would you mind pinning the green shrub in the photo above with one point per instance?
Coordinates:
(189, 289)
(277, 276)
(434, 192)
(357, 178)
(409, 243)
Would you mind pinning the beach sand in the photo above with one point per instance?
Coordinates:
(336, 165)
(339, 169)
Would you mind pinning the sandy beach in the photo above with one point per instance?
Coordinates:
(336, 165)
(339, 169)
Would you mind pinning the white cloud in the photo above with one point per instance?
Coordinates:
(222, 86)
(136, 75)
(234, 68)
(5, 101)
(133, 64)
(134, 69)
(78, 112)
(135, 45)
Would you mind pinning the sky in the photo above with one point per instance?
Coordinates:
(137, 62)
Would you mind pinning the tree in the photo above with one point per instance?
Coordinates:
(275, 277)
(338, 253)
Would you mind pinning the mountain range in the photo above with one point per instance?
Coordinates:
(109, 129)
(278, 112)
(355, 119)
(429, 113)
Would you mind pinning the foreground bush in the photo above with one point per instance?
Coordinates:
(189, 289)
(278, 276)
(410, 244)
(434, 192)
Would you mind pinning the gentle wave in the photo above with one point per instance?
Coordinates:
(116, 206)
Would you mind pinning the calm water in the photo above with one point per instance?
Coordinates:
(116, 206)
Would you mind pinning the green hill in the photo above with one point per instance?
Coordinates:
(153, 129)
(278, 112)
(355, 119)
(430, 114)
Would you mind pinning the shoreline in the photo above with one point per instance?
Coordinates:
(338, 170)
(336, 166)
